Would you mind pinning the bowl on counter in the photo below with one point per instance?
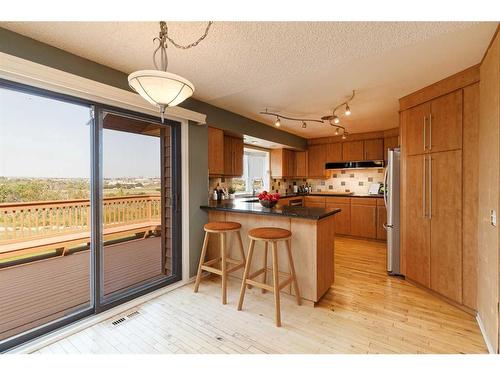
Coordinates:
(267, 203)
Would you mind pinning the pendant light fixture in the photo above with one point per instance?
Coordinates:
(159, 87)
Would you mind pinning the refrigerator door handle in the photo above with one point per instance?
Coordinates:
(386, 190)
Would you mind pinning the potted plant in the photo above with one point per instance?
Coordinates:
(268, 200)
(231, 190)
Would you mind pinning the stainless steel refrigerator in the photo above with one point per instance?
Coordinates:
(391, 200)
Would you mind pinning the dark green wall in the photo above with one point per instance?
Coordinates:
(198, 191)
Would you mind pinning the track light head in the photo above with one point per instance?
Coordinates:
(304, 125)
(347, 111)
(336, 119)
(278, 122)
(344, 135)
(337, 131)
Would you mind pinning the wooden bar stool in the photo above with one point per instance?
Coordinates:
(273, 235)
(221, 228)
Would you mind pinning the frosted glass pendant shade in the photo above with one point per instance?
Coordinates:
(162, 89)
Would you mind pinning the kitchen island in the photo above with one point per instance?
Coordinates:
(313, 236)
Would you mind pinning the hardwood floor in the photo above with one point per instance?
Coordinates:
(365, 312)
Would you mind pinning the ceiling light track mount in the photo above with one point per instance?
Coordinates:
(277, 123)
(333, 119)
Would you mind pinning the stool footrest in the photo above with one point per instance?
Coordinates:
(211, 261)
(256, 273)
(270, 288)
(207, 266)
(212, 270)
(260, 285)
(237, 267)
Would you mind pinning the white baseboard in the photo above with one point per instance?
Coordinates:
(485, 336)
(80, 325)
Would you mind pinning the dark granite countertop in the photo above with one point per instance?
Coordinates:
(333, 195)
(312, 213)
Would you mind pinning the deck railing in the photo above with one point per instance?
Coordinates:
(29, 220)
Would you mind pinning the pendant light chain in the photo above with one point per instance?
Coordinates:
(162, 45)
(194, 44)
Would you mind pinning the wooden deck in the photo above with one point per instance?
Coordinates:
(34, 293)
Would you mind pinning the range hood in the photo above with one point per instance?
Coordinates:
(355, 164)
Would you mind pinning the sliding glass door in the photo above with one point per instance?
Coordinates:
(136, 210)
(45, 222)
(89, 209)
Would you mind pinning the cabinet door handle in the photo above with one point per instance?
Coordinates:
(424, 132)
(430, 131)
(430, 187)
(424, 186)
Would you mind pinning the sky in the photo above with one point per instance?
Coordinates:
(41, 137)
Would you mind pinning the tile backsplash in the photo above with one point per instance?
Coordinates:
(356, 181)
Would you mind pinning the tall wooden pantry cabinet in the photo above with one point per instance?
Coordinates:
(434, 180)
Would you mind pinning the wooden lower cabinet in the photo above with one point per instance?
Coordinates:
(360, 217)
(314, 201)
(343, 218)
(364, 217)
(446, 223)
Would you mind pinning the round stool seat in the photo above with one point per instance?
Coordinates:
(269, 233)
(221, 226)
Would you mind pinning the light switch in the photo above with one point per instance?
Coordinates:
(493, 217)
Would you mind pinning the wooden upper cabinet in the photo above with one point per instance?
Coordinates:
(445, 123)
(353, 151)
(445, 202)
(237, 150)
(374, 149)
(390, 142)
(333, 152)
(282, 163)
(434, 126)
(415, 123)
(316, 159)
(233, 156)
(215, 151)
(301, 164)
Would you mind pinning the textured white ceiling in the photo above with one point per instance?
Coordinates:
(295, 68)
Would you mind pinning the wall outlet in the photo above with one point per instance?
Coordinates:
(493, 217)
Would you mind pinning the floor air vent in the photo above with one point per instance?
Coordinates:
(117, 321)
(132, 314)
(124, 318)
